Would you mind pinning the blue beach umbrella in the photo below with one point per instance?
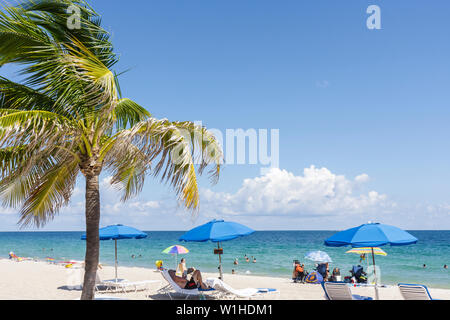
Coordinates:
(371, 235)
(318, 256)
(217, 231)
(118, 232)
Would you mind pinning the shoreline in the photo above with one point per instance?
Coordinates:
(275, 276)
(37, 280)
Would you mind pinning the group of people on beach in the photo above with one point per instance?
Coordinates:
(300, 274)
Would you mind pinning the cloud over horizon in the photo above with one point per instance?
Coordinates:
(279, 199)
(317, 192)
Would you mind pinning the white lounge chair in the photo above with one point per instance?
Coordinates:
(414, 292)
(184, 292)
(103, 297)
(123, 285)
(226, 291)
(340, 291)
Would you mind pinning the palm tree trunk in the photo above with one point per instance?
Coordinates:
(92, 236)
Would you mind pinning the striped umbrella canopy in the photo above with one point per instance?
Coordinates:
(176, 250)
(367, 250)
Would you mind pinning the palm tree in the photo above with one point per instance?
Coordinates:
(66, 117)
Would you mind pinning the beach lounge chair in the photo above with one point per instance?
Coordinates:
(414, 292)
(228, 292)
(122, 285)
(340, 291)
(172, 286)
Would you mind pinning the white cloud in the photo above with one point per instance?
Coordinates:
(7, 211)
(315, 199)
(142, 206)
(362, 178)
(317, 192)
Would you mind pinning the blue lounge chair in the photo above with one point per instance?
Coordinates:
(414, 292)
(340, 291)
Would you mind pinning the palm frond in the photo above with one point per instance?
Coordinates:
(22, 167)
(127, 113)
(49, 194)
(172, 148)
(208, 148)
(128, 166)
(21, 97)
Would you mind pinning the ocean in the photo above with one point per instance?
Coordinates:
(274, 252)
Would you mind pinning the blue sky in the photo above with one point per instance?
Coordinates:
(349, 101)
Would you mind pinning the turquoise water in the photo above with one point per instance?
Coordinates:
(274, 251)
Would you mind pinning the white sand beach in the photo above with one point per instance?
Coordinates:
(30, 280)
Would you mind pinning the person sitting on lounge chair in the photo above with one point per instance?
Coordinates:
(336, 275)
(323, 270)
(299, 272)
(359, 274)
(194, 283)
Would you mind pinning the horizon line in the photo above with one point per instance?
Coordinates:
(278, 230)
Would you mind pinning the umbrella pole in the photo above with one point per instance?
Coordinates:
(376, 279)
(115, 261)
(220, 262)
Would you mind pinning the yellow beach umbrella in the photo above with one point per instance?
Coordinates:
(367, 250)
